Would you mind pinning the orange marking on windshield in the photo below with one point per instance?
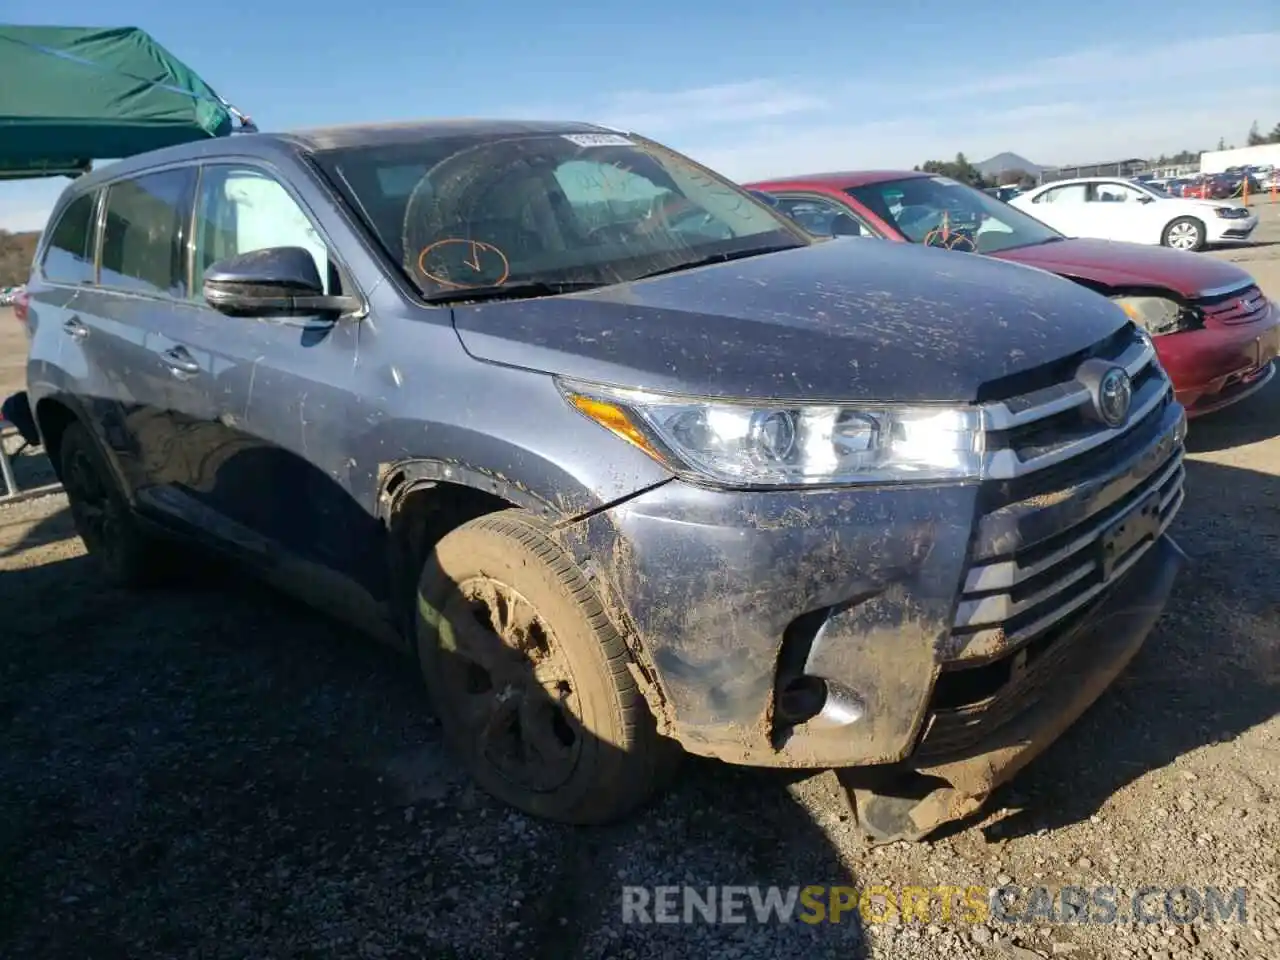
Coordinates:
(477, 259)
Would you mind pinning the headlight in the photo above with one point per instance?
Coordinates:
(790, 445)
(1156, 315)
(1231, 213)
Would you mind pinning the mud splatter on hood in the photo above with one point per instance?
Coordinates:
(843, 320)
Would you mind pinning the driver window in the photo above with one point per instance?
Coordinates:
(1115, 193)
(240, 210)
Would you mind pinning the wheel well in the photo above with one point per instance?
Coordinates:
(420, 515)
(53, 419)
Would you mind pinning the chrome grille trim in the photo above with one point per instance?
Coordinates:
(991, 613)
(1050, 400)
(1247, 305)
(1005, 464)
(1019, 637)
(1005, 574)
(1236, 287)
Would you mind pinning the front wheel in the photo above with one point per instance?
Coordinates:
(529, 677)
(1185, 233)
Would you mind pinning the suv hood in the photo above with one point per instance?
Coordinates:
(1112, 263)
(838, 320)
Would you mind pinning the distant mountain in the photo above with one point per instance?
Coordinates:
(1001, 162)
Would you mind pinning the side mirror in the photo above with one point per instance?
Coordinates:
(1145, 198)
(766, 198)
(276, 282)
(843, 225)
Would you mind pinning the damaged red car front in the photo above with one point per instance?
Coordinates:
(1215, 331)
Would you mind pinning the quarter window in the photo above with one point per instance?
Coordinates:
(69, 257)
(143, 238)
(240, 210)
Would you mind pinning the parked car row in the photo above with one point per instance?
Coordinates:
(630, 461)
(1216, 186)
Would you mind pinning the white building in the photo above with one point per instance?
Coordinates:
(1216, 161)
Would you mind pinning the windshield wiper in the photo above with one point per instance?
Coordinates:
(522, 290)
(718, 258)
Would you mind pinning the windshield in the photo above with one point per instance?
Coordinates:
(941, 212)
(466, 213)
(1156, 190)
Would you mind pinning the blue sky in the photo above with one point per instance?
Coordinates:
(748, 88)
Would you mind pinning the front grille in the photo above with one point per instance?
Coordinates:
(1049, 425)
(1240, 306)
(1010, 599)
(1060, 486)
(1069, 507)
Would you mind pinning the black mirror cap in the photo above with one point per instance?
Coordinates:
(278, 281)
(276, 271)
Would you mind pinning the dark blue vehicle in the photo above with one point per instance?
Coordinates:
(619, 480)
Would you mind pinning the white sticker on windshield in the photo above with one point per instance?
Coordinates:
(598, 140)
(945, 181)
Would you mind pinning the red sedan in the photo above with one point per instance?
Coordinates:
(1216, 333)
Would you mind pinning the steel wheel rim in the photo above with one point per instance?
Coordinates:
(1182, 236)
(510, 686)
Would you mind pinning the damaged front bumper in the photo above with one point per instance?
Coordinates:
(898, 628)
(909, 801)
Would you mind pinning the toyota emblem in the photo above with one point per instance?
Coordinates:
(1115, 393)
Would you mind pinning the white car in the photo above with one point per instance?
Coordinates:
(1112, 208)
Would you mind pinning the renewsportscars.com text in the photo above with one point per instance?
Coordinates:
(816, 904)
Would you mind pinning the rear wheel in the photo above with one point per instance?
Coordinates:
(127, 555)
(1184, 233)
(529, 677)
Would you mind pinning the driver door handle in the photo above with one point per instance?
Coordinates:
(74, 328)
(180, 361)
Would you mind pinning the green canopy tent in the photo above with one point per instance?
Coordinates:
(70, 95)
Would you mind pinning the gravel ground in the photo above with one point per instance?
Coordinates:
(215, 771)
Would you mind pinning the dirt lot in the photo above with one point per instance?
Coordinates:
(216, 772)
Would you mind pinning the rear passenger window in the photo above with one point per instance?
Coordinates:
(69, 256)
(240, 210)
(142, 241)
(1069, 193)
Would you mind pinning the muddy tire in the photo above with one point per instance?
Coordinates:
(126, 554)
(1184, 233)
(530, 679)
